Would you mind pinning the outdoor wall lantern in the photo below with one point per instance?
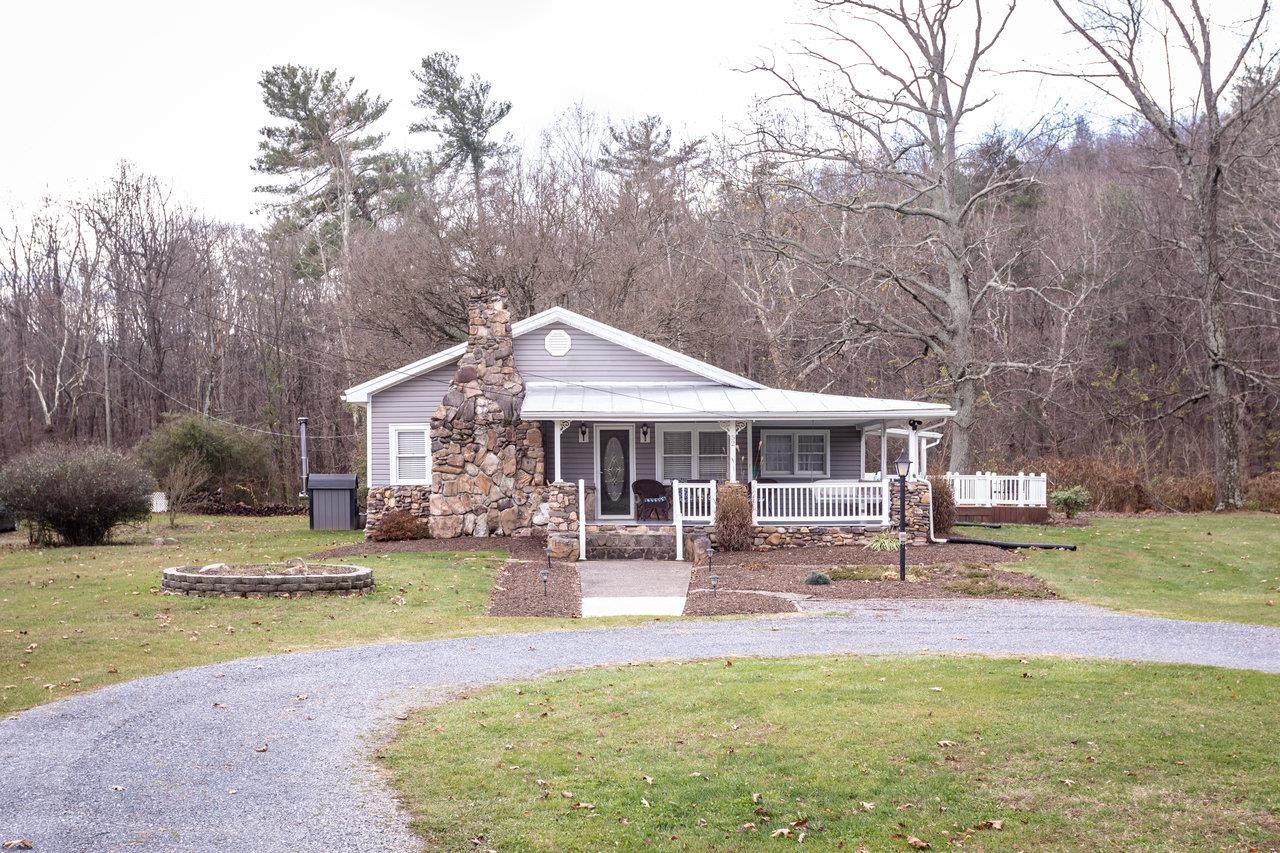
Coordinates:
(644, 433)
(583, 434)
(903, 466)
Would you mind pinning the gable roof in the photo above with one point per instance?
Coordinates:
(360, 393)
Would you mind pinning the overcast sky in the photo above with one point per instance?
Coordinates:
(172, 86)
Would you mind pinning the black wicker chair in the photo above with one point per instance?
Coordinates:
(652, 501)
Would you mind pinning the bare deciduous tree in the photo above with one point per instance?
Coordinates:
(1203, 136)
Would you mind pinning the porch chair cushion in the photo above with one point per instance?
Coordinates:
(651, 499)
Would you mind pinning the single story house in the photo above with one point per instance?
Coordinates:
(558, 417)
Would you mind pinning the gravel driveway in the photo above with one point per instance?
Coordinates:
(152, 764)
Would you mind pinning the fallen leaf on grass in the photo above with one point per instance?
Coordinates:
(648, 780)
(583, 806)
(644, 802)
(866, 807)
(1067, 782)
(912, 841)
(755, 798)
(784, 832)
(947, 743)
(989, 824)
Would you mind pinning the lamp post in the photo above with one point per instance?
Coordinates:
(903, 466)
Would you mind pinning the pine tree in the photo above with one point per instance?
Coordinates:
(462, 112)
(332, 168)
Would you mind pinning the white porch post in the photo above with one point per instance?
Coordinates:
(884, 450)
(731, 429)
(559, 426)
(862, 453)
(582, 520)
(924, 458)
(913, 450)
(750, 449)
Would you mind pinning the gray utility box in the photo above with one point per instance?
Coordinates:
(333, 502)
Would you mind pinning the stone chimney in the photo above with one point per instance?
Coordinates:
(487, 463)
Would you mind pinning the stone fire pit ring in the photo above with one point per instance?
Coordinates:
(294, 579)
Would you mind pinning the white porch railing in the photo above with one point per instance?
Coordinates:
(820, 503)
(692, 502)
(987, 488)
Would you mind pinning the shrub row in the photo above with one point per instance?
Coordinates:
(214, 505)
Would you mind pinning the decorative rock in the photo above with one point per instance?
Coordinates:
(562, 547)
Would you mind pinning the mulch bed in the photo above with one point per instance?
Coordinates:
(518, 589)
(703, 602)
(526, 547)
(938, 571)
(856, 555)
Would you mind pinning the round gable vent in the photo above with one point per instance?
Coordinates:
(558, 342)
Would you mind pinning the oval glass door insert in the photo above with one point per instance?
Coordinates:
(615, 469)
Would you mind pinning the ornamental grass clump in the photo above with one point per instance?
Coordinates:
(885, 541)
(733, 518)
(78, 493)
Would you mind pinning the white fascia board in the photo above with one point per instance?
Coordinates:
(819, 418)
(360, 393)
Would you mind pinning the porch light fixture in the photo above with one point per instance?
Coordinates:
(644, 433)
(583, 434)
(545, 575)
(903, 466)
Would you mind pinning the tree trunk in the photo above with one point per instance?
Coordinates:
(1225, 412)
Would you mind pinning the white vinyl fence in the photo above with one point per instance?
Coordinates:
(987, 488)
(820, 503)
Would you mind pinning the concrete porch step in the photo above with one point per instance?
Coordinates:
(616, 545)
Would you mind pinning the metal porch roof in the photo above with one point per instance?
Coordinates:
(672, 402)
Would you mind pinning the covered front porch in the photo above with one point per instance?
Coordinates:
(663, 471)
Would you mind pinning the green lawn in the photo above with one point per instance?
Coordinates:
(851, 752)
(79, 618)
(1209, 567)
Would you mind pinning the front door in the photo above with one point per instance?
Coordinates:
(614, 474)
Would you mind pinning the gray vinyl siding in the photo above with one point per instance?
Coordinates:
(580, 456)
(846, 450)
(413, 401)
(591, 359)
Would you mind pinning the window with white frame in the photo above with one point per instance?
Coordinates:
(795, 453)
(692, 452)
(410, 454)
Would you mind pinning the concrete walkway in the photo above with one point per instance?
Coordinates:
(633, 587)
(171, 762)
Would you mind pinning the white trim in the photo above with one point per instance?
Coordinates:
(693, 428)
(631, 498)
(368, 445)
(393, 472)
(360, 393)
(794, 473)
